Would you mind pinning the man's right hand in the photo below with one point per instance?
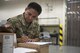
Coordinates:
(24, 38)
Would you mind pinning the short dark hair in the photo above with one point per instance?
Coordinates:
(35, 6)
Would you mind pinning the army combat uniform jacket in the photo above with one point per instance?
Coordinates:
(20, 27)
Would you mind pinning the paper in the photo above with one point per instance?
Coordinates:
(23, 50)
(40, 43)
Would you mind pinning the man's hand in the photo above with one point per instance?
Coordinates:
(35, 40)
(26, 39)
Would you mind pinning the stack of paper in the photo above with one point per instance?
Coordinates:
(23, 50)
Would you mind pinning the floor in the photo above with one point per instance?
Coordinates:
(63, 49)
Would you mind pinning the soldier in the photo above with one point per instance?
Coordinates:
(26, 25)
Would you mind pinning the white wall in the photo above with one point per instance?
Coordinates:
(11, 8)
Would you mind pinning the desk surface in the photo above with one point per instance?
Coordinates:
(63, 49)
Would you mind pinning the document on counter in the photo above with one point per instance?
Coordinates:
(40, 43)
(23, 50)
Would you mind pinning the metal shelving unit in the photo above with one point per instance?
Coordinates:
(73, 22)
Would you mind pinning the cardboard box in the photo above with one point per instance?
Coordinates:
(0, 48)
(1, 41)
(41, 48)
(7, 42)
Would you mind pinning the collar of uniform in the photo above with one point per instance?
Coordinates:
(21, 19)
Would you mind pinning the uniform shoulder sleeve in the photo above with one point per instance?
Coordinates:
(12, 20)
(15, 19)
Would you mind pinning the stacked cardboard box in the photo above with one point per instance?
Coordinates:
(1, 44)
(0, 47)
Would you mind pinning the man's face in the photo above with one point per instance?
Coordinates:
(30, 15)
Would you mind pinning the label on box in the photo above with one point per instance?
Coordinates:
(8, 43)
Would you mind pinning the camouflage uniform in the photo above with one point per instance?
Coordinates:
(20, 27)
